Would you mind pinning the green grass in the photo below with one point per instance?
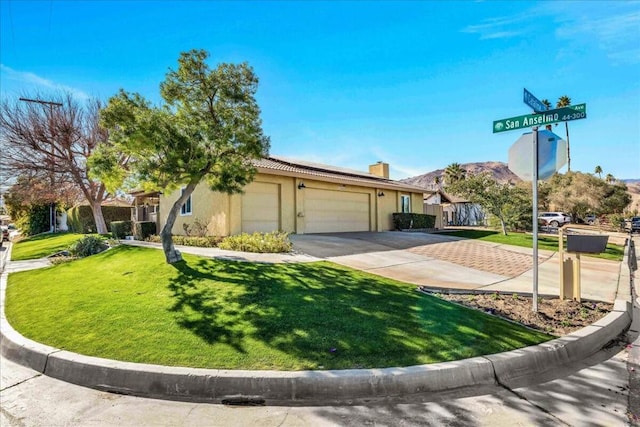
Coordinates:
(612, 252)
(128, 304)
(42, 245)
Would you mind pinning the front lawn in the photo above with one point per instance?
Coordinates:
(550, 243)
(128, 304)
(42, 245)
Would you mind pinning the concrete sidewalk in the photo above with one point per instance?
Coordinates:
(593, 396)
(230, 255)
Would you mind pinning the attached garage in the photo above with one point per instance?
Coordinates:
(261, 207)
(299, 197)
(336, 211)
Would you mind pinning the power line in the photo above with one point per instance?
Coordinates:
(39, 101)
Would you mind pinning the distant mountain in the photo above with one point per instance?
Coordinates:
(498, 170)
(501, 173)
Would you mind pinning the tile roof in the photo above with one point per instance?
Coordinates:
(452, 199)
(320, 171)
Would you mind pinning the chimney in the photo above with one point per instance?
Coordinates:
(380, 169)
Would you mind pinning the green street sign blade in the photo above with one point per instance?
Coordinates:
(564, 114)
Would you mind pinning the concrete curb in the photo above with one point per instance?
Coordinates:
(531, 365)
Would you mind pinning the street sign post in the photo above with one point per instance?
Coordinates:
(533, 102)
(541, 117)
(564, 114)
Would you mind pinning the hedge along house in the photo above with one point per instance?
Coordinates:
(79, 218)
(298, 197)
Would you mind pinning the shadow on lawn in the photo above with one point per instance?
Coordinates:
(329, 316)
(201, 310)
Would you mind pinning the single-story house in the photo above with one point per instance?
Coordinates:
(293, 196)
(455, 210)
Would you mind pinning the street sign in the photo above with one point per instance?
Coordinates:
(533, 102)
(564, 114)
(552, 155)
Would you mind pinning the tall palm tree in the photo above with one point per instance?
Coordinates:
(598, 170)
(565, 101)
(454, 172)
(547, 104)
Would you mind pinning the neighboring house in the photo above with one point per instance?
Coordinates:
(456, 210)
(297, 197)
(145, 207)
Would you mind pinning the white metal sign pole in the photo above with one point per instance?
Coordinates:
(534, 183)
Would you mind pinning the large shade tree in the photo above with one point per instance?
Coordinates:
(507, 202)
(50, 142)
(209, 129)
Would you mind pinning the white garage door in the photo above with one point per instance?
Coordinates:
(329, 211)
(261, 207)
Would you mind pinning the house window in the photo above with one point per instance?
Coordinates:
(405, 203)
(185, 209)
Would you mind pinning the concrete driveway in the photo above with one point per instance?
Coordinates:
(441, 261)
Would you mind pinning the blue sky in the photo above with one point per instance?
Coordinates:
(415, 84)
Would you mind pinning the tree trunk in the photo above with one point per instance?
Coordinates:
(504, 226)
(101, 225)
(566, 127)
(171, 254)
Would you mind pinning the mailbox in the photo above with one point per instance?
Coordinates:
(586, 244)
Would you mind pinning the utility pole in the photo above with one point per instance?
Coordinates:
(51, 104)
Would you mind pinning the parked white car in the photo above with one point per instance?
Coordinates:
(553, 219)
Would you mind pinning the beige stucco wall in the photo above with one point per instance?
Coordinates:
(223, 213)
(208, 207)
(387, 205)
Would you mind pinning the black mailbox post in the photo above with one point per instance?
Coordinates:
(586, 244)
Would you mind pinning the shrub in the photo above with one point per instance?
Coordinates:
(197, 228)
(615, 221)
(88, 245)
(406, 221)
(275, 242)
(203, 242)
(36, 220)
(144, 229)
(61, 259)
(121, 229)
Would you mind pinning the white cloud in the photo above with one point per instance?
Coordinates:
(33, 80)
(613, 27)
(500, 28)
(616, 33)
